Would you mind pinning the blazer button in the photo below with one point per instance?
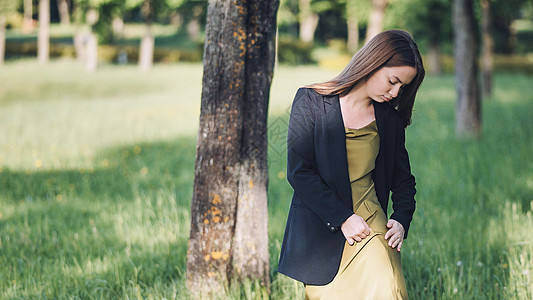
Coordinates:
(332, 228)
(329, 224)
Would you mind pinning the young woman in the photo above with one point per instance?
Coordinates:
(346, 154)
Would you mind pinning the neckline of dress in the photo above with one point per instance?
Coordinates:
(361, 127)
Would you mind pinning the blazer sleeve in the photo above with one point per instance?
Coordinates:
(302, 173)
(403, 183)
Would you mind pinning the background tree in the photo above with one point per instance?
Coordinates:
(468, 108)
(229, 238)
(487, 47)
(146, 50)
(376, 19)
(64, 14)
(6, 7)
(93, 21)
(430, 22)
(308, 20)
(356, 12)
(43, 39)
(27, 24)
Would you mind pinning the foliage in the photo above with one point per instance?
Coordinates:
(428, 20)
(294, 51)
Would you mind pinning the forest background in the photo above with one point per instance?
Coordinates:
(97, 158)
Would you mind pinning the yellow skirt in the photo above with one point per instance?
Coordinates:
(369, 269)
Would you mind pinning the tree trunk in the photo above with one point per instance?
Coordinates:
(353, 26)
(488, 47)
(80, 41)
(468, 108)
(308, 21)
(44, 31)
(27, 25)
(91, 52)
(2, 38)
(64, 15)
(146, 51)
(193, 29)
(229, 237)
(377, 16)
(435, 67)
(118, 26)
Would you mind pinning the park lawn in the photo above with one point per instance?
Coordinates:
(96, 175)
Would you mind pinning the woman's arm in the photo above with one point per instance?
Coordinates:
(301, 168)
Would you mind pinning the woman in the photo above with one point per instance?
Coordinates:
(346, 154)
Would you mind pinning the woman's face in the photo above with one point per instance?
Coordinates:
(386, 83)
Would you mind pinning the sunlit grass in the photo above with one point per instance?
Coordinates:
(96, 174)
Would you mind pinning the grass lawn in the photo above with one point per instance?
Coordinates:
(96, 175)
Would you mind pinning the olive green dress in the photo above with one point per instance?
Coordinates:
(369, 269)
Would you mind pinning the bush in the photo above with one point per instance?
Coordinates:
(293, 51)
(106, 53)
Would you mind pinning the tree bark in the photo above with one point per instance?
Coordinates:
(488, 47)
(229, 237)
(308, 21)
(27, 25)
(43, 39)
(2, 38)
(353, 26)
(377, 16)
(64, 15)
(468, 108)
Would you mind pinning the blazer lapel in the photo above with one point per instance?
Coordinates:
(336, 138)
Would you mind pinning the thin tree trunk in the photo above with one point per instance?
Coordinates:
(64, 16)
(353, 26)
(376, 19)
(229, 237)
(118, 26)
(80, 41)
(435, 67)
(193, 29)
(91, 51)
(43, 38)
(146, 51)
(2, 38)
(488, 48)
(468, 108)
(308, 21)
(27, 25)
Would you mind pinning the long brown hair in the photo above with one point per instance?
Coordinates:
(391, 48)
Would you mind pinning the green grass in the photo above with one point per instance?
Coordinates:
(96, 175)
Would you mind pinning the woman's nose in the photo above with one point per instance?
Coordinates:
(394, 91)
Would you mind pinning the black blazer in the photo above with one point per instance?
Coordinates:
(317, 169)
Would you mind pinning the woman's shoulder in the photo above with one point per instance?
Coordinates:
(307, 94)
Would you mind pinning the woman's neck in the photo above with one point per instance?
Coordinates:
(357, 99)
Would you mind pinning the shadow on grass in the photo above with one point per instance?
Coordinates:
(119, 173)
(95, 233)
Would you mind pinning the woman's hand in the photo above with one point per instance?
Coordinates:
(395, 234)
(355, 229)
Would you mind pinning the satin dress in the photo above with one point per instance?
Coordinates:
(369, 269)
